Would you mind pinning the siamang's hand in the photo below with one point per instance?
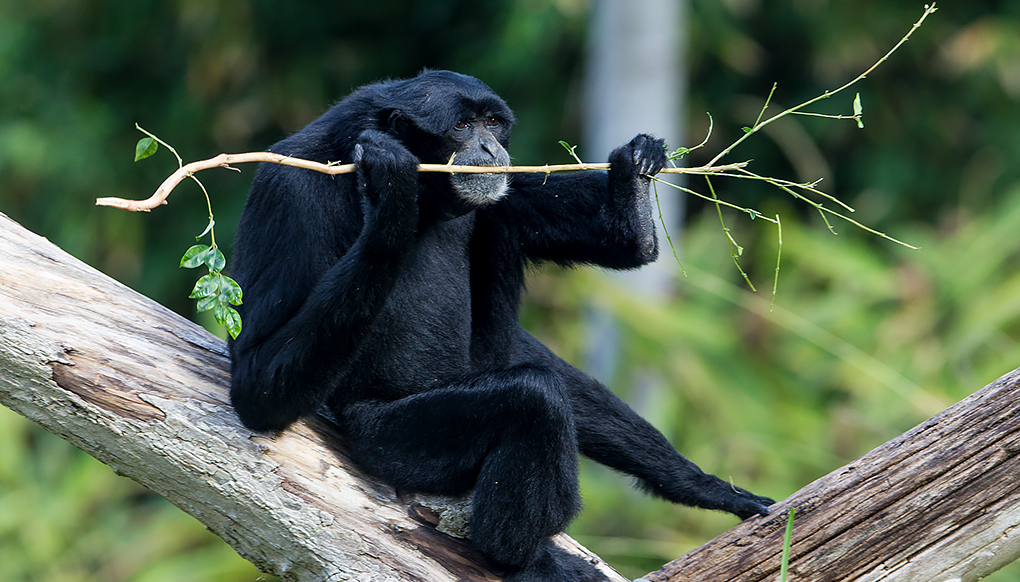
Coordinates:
(647, 153)
(386, 169)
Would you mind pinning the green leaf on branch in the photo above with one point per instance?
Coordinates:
(198, 255)
(207, 286)
(145, 148)
(215, 260)
(859, 111)
(230, 291)
(570, 150)
(208, 228)
(228, 317)
(678, 153)
(194, 257)
(233, 322)
(207, 303)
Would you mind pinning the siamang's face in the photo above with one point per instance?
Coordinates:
(449, 118)
(479, 141)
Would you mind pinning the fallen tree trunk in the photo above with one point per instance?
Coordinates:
(940, 503)
(144, 391)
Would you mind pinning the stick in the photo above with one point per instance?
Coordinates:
(225, 161)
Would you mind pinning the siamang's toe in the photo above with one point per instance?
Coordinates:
(752, 505)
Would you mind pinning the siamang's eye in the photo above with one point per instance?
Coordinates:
(492, 122)
(461, 125)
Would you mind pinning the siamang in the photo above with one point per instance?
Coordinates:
(391, 297)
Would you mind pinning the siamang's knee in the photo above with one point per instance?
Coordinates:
(538, 402)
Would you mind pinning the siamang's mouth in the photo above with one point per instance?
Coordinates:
(479, 189)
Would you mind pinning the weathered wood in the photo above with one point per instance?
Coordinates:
(144, 391)
(940, 503)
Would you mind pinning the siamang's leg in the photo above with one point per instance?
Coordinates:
(509, 434)
(611, 433)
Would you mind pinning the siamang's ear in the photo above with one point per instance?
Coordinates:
(391, 120)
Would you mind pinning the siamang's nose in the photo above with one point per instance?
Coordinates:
(490, 146)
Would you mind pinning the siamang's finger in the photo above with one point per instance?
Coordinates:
(649, 154)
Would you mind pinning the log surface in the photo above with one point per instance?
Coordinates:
(940, 503)
(145, 391)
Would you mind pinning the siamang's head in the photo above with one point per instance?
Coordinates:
(445, 117)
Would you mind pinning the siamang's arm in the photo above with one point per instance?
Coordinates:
(611, 433)
(594, 217)
(306, 311)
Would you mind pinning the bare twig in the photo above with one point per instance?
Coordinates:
(226, 161)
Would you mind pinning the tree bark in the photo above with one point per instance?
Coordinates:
(144, 391)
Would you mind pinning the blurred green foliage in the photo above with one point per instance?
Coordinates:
(65, 517)
(866, 338)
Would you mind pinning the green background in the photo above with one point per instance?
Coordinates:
(866, 340)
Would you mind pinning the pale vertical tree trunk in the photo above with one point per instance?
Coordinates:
(635, 83)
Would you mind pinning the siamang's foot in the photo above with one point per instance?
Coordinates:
(554, 564)
(745, 504)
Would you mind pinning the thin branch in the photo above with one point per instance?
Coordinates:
(928, 10)
(665, 230)
(226, 160)
(779, 258)
(735, 249)
(825, 115)
(754, 214)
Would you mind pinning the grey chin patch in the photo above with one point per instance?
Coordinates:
(479, 189)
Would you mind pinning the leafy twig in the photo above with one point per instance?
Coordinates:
(735, 249)
(665, 230)
(222, 289)
(928, 10)
(680, 152)
(214, 290)
(749, 211)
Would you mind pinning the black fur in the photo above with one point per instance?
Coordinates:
(392, 297)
